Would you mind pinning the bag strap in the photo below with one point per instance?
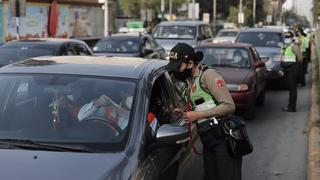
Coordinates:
(190, 130)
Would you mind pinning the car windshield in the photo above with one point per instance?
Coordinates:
(62, 109)
(225, 57)
(175, 32)
(227, 34)
(17, 53)
(122, 45)
(261, 39)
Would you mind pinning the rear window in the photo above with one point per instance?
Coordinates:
(227, 34)
(261, 39)
(225, 57)
(17, 53)
(117, 46)
(175, 32)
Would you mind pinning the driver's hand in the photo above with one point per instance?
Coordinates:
(103, 100)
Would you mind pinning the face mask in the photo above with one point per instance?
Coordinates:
(185, 74)
(287, 40)
(237, 59)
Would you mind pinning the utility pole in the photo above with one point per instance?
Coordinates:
(240, 16)
(162, 10)
(193, 10)
(106, 18)
(254, 11)
(214, 14)
(170, 9)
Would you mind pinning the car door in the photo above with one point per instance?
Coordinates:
(168, 161)
(161, 53)
(148, 50)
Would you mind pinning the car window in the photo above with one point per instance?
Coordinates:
(81, 50)
(147, 44)
(225, 57)
(261, 39)
(153, 43)
(208, 31)
(16, 53)
(120, 45)
(69, 50)
(175, 32)
(227, 34)
(47, 107)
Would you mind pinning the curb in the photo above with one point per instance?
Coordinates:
(313, 166)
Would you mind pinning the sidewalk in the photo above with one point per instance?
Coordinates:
(313, 166)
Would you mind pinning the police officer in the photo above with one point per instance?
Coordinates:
(303, 49)
(210, 99)
(291, 62)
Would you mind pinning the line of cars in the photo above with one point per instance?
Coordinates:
(45, 135)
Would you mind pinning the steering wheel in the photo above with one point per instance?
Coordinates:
(103, 120)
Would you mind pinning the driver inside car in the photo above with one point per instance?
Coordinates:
(105, 107)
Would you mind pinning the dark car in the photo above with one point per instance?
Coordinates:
(23, 49)
(129, 45)
(245, 77)
(169, 33)
(40, 128)
(268, 42)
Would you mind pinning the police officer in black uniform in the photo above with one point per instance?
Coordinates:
(291, 63)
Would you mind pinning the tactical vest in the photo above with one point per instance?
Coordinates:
(198, 94)
(288, 56)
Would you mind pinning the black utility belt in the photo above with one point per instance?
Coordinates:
(209, 126)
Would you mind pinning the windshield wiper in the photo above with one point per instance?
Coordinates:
(34, 145)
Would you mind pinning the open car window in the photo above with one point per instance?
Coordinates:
(45, 108)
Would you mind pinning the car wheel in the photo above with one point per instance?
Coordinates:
(249, 112)
(261, 98)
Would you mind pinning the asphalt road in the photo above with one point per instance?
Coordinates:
(279, 139)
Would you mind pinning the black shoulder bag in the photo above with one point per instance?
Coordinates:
(236, 135)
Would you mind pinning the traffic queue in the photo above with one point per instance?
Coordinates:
(135, 110)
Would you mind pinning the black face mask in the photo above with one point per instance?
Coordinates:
(185, 74)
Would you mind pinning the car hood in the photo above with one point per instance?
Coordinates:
(168, 44)
(268, 51)
(234, 75)
(118, 54)
(39, 165)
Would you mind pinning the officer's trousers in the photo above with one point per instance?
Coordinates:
(218, 163)
(291, 74)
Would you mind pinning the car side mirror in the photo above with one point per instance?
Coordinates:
(171, 134)
(259, 64)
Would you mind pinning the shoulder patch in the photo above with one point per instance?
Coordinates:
(220, 83)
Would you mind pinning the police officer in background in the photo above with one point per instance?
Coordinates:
(304, 44)
(208, 95)
(291, 62)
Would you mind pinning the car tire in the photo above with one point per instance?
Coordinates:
(261, 98)
(249, 112)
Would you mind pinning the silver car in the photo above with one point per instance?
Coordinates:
(168, 34)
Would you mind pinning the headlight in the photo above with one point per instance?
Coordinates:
(237, 87)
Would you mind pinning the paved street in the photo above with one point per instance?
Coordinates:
(279, 139)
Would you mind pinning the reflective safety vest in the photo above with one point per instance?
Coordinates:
(288, 56)
(197, 94)
(303, 45)
(307, 41)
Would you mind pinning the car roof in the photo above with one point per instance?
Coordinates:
(50, 41)
(125, 67)
(224, 45)
(181, 23)
(271, 30)
(126, 36)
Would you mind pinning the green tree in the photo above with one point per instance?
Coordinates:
(233, 15)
